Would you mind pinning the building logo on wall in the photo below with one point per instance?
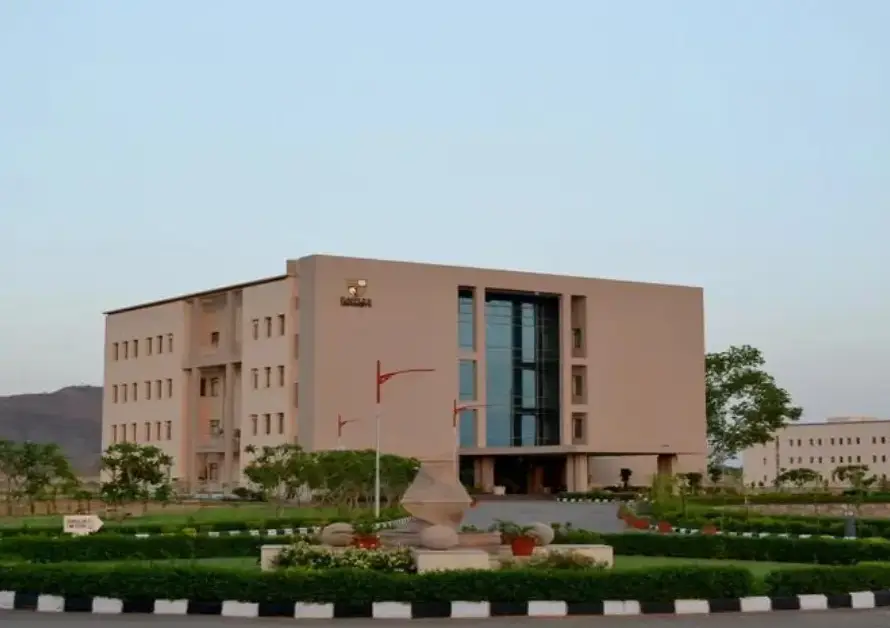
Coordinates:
(355, 291)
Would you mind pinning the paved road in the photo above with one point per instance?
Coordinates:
(599, 517)
(788, 619)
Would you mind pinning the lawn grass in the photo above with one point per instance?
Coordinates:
(759, 569)
(198, 515)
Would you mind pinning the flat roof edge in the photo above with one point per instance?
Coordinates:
(192, 295)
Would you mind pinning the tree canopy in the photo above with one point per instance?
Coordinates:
(745, 404)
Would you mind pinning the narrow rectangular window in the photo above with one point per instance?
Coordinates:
(214, 387)
(135, 348)
(134, 432)
(268, 322)
(169, 343)
(214, 339)
(147, 431)
(114, 433)
(114, 393)
(267, 421)
(115, 351)
(466, 334)
(296, 394)
(148, 389)
(281, 422)
(124, 393)
(253, 423)
(281, 376)
(135, 391)
(157, 430)
(577, 340)
(467, 380)
(255, 324)
(281, 324)
(123, 432)
(296, 346)
(160, 344)
(158, 390)
(255, 378)
(126, 349)
(169, 388)
(169, 428)
(268, 372)
(148, 345)
(202, 387)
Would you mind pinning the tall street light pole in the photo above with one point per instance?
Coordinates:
(380, 380)
(340, 423)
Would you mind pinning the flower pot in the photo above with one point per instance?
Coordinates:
(523, 545)
(664, 527)
(368, 541)
(709, 529)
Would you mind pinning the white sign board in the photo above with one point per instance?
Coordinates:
(81, 524)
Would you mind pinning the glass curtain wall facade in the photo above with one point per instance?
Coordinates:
(466, 338)
(522, 370)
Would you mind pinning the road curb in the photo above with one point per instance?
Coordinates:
(278, 531)
(10, 600)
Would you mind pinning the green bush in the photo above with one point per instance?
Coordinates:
(770, 549)
(362, 586)
(623, 496)
(133, 526)
(738, 499)
(734, 521)
(828, 580)
(118, 547)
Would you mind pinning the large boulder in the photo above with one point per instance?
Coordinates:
(338, 534)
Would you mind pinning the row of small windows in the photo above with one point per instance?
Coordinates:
(130, 348)
(124, 393)
(268, 326)
(267, 377)
(150, 432)
(840, 441)
(267, 423)
(818, 459)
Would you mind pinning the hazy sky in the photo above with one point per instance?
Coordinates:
(149, 148)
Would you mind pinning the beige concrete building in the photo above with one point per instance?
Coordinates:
(821, 447)
(561, 381)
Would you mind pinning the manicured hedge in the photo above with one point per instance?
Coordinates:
(358, 587)
(770, 549)
(133, 526)
(733, 521)
(732, 499)
(110, 547)
(118, 547)
(828, 580)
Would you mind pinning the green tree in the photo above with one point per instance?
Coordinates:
(799, 477)
(280, 473)
(135, 473)
(625, 474)
(694, 479)
(34, 473)
(745, 405)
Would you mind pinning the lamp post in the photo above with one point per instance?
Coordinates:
(380, 379)
(340, 423)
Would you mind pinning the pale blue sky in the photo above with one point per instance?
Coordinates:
(149, 148)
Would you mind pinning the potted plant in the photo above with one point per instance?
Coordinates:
(365, 535)
(516, 536)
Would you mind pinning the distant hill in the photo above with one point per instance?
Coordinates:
(71, 417)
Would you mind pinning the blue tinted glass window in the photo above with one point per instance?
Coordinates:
(529, 388)
(465, 331)
(468, 428)
(467, 379)
(528, 430)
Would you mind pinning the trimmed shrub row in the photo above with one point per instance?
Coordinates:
(732, 521)
(361, 587)
(732, 499)
(181, 547)
(133, 526)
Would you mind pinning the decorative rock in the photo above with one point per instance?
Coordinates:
(337, 534)
(542, 533)
(438, 538)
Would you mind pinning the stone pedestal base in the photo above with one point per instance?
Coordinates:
(600, 553)
(450, 560)
(268, 554)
